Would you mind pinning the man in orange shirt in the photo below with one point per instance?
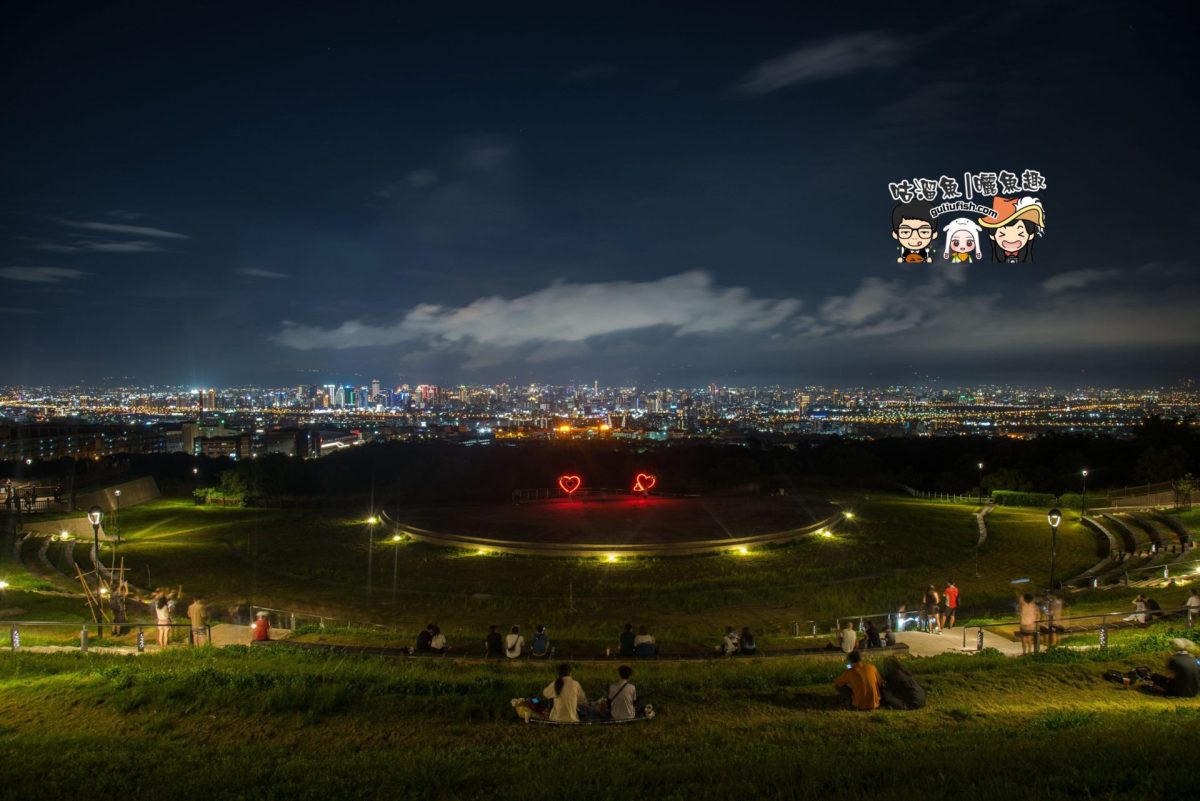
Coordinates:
(859, 684)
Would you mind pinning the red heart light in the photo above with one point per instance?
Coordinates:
(644, 482)
(569, 483)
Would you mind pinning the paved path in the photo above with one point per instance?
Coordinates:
(951, 641)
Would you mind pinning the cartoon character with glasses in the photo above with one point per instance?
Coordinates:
(912, 228)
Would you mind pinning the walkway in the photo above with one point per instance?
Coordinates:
(950, 641)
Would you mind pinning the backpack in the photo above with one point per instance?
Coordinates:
(901, 691)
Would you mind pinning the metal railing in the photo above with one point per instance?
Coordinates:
(85, 637)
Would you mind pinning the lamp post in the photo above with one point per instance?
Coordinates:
(371, 521)
(1054, 518)
(95, 515)
(981, 482)
(1083, 495)
(396, 540)
(117, 516)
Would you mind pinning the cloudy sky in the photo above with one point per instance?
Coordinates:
(650, 194)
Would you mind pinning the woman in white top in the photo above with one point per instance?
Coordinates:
(514, 643)
(163, 606)
(567, 695)
(437, 643)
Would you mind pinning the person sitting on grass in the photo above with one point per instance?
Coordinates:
(541, 642)
(622, 696)
(1027, 611)
(1139, 610)
(848, 638)
(493, 646)
(424, 639)
(729, 643)
(514, 643)
(261, 630)
(872, 635)
(889, 637)
(567, 695)
(644, 646)
(626, 641)
(900, 689)
(746, 645)
(860, 684)
(1153, 609)
(1184, 681)
(437, 643)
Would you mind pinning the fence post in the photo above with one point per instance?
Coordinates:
(83, 639)
(978, 639)
(1037, 639)
(208, 633)
(293, 621)
(15, 637)
(141, 640)
(1103, 636)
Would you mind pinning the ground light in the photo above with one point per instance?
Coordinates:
(848, 515)
(63, 535)
(612, 557)
(3, 585)
(742, 551)
(825, 533)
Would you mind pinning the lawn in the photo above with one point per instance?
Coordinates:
(315, 561)
(278, 723)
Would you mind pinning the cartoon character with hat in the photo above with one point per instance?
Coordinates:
(912, 227)
(1013, 224)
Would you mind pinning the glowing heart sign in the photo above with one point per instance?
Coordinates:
(644, 482)
(569, 483)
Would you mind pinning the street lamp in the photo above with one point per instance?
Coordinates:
(981, 482)
(117, 516)
(396, 540)
(95, 515)
(371, 521)
(1083, 496)
(1054, 518)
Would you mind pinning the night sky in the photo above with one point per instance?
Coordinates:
(645, 194)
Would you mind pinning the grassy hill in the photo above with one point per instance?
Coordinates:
(279, 723)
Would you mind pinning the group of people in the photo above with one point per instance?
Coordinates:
(1045, 618)
(431, 641)
(862, 687)
(569, 702)
(735, 642)
(1146, 609)
(163, 602)
(513, 645)
(847, 639)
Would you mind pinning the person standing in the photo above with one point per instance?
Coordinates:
(567, 694)
(1027, 611)
(197, 614)
(1193, 606)
(950, 596)
(164, 605)
(933, 612)
(622, 696)
(1054, 617)
(116, 602)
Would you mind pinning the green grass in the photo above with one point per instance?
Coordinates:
(315, 560)
(278, 723)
